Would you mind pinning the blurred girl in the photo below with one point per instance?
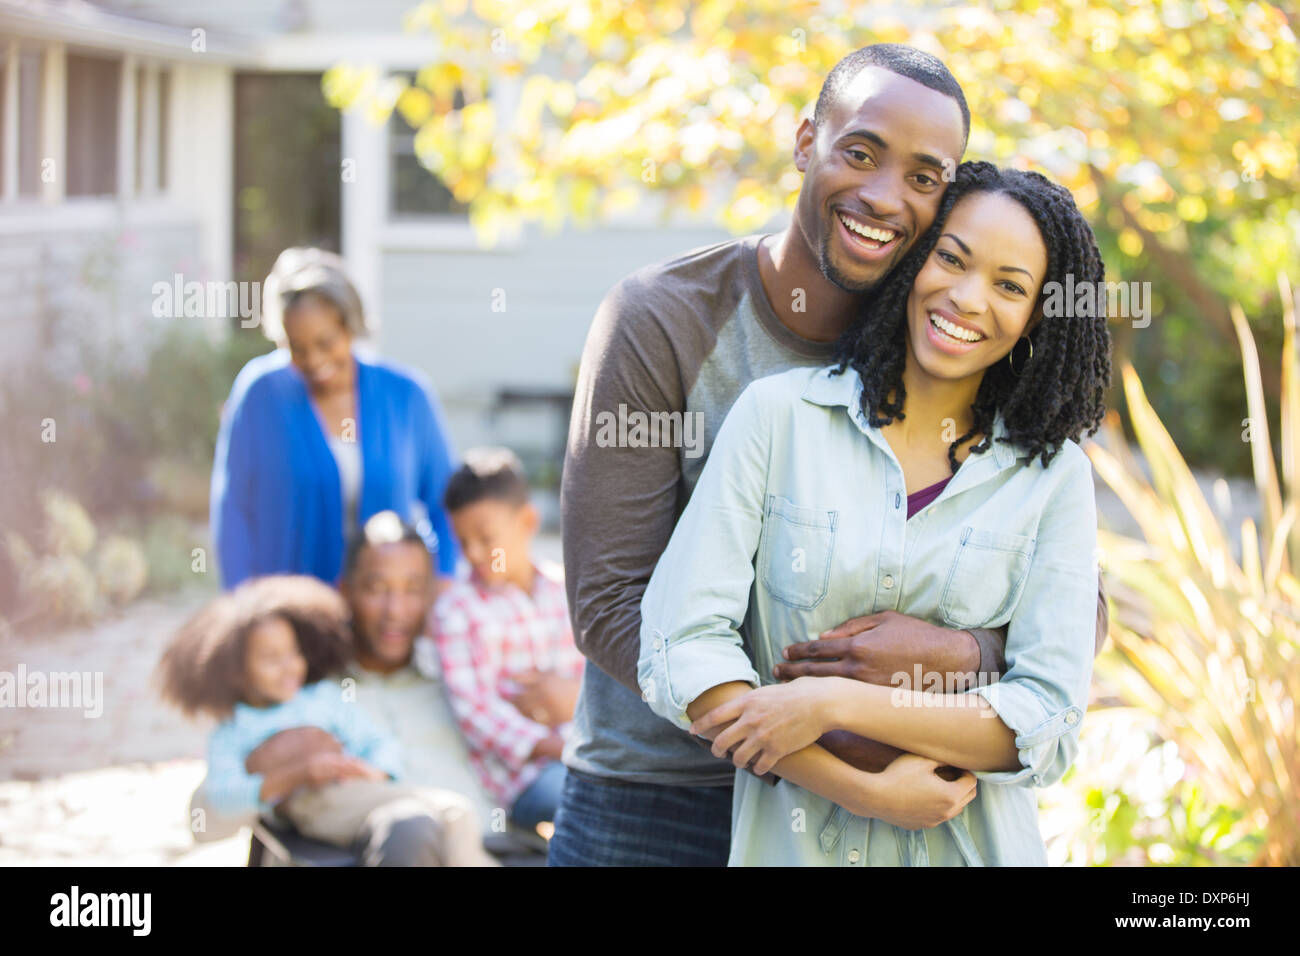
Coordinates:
(257, 659)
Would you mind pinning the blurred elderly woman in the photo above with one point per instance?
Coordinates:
(316, 436)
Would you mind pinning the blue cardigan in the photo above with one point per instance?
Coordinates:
(277, 505)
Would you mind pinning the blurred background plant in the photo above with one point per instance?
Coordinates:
(1206, 623)
(125, 448)
(1132, 800)
(62, 577)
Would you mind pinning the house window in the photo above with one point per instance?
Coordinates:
(89, 114)
(164, 104)
(92, 125)
(413, 190)
(151, 130)
(31, 64)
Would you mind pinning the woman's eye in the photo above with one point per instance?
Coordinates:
(947, 257)
(1012, 287)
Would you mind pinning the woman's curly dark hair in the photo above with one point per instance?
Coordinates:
(202, 671)
(1058, 394)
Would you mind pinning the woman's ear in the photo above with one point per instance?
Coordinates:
(1035, 317)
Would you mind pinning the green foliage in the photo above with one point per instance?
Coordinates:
(1205, 629)
(1174, 123)
(67, 580)
(1131, 799)
(128, 444)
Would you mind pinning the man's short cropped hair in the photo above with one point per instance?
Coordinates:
(908, 61)
(385, 527)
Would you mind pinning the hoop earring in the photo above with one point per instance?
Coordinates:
(1016, 371)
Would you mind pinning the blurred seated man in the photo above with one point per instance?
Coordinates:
(388, 582)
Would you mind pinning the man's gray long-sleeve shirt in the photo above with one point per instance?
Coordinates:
(678, 341)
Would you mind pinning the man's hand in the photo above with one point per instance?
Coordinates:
(290, 747)
(546, 697)
(878, 648)
(858, 751)
(916, 797)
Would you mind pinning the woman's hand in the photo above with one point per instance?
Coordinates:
(769, 723)
(913, 796)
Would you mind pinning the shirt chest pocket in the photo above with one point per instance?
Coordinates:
(985, 579)
(795, 553)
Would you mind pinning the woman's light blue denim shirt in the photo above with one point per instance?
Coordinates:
(799, 522)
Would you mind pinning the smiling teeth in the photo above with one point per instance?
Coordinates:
(877, 235)
(956, 331)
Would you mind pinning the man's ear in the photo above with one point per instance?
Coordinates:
(803, 145)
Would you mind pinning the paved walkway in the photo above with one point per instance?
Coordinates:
(111, 789)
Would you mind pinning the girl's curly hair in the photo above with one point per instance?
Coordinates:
(202, 670)
(1058, 394)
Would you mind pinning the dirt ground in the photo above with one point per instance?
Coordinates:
(112, 789)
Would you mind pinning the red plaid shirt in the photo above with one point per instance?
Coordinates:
(484, 635)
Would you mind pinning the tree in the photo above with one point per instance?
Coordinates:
(1175, 124)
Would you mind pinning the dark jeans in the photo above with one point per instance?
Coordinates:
(604, 822)
(399, 835)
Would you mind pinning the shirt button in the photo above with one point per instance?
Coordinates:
(656, 644)
(1071, 718)
(888, 581)
(898, 499)
(853, 856)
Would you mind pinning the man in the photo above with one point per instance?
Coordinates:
(686, 336)
(388, 584)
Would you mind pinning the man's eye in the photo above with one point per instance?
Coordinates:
(925, 179)
(859, 155)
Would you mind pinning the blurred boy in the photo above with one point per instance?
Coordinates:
(504, 642)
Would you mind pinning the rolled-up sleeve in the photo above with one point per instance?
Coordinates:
(698, 595)
(1051, 637)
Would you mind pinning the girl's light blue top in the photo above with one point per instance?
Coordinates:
(230, 789)
(277, 505)
(798, 523)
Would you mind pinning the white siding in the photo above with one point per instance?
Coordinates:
(438, 315)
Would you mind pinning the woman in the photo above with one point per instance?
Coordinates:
(315, 437)
(803, 508)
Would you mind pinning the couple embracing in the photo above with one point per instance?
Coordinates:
(892, 489)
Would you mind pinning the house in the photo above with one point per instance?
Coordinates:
(170, 141)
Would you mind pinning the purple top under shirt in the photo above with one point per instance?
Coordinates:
(919, 499)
